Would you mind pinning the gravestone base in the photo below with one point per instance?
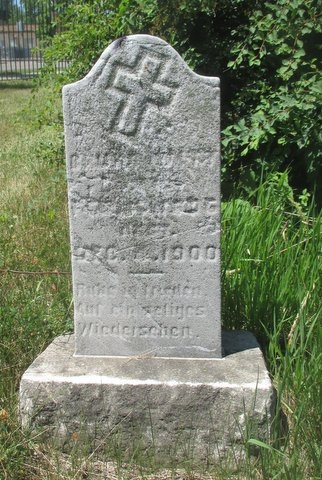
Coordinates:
(180, 407)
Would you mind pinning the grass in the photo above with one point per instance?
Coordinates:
(33, 237)
(272, 252)
(271, 277)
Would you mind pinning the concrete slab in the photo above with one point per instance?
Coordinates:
(167, 403)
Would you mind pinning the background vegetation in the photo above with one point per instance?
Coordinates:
(266, 54)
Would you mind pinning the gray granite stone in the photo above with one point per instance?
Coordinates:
(196, 408)
(142, 142)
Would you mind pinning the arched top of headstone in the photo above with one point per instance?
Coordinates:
(144, 56)
(141, 85)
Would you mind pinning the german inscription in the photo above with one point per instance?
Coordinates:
(142, 146)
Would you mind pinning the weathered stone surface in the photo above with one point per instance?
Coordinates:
(142, 140)
(201, 404)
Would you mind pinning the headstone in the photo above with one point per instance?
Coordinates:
(142, 138)
(142, 141)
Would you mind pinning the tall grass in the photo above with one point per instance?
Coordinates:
(271, 278)
(33, 238)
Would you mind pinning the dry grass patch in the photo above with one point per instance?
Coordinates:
(52, 465)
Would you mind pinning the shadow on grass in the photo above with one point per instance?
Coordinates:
(235, 341)
(16, 84)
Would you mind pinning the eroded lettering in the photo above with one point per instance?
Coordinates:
(161, 331)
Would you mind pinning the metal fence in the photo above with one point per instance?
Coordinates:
(24, 27)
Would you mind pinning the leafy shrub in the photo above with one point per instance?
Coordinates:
(199, 29)
(271, 90)
(276, 116)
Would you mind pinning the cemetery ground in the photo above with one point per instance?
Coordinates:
(271, 282)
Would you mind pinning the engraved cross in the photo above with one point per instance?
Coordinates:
(142, 88)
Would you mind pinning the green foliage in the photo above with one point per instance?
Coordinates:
(81, 47)
(276, 116)
(267, 237)
(198, 29)
(271, 280)
(271, 92)
(7, 12)
(33, 236)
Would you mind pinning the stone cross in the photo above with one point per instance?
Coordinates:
(142, 143)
